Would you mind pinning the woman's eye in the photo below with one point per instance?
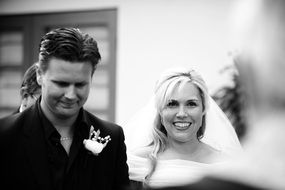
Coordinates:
(192, 104)
(172, 104)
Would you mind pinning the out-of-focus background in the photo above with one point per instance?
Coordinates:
(138, 39)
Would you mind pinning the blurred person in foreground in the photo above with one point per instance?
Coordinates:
(180, 135)
(231, 99)
(56, 144)
(261, 65)
(30, 89)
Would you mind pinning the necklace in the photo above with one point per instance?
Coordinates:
(65, 138)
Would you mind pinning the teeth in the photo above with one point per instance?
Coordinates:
(182, 125)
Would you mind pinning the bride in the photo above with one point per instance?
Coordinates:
(180, 135)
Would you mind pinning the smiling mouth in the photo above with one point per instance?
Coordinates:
(182, 125)
(67, 105)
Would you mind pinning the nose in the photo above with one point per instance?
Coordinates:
(70, 92)
(182, 113)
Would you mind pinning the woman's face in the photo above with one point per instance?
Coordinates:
(182, 114)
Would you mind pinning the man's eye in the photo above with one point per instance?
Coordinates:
(62, 84)
(79, 85)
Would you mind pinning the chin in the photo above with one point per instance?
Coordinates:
(68, 112)
(182, 138)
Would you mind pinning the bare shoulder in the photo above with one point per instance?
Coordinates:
(142, 151)
(212, 155)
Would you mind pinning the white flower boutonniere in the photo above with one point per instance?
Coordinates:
(95, 144)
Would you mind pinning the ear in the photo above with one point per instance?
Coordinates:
(39, 77)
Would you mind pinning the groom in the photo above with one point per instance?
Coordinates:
(42, 147)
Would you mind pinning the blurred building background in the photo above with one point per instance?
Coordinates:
(138, 39)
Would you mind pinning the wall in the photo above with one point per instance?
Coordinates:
(153, 35)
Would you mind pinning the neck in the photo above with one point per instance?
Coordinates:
(65, 131)
(182, 150)
(188, 147)
(57, 119)
(64, 125)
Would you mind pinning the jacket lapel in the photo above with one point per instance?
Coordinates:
(34, 144)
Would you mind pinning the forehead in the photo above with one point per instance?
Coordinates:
(185, 91)
(63, 70)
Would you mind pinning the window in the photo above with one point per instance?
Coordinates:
(19, 49)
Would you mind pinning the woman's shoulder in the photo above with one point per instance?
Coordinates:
(143, 152)
(212, 155)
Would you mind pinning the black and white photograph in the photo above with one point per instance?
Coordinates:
(142, 94)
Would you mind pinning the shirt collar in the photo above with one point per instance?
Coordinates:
(83, 124)
(49, 130)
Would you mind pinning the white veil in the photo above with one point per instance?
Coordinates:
(219, 133)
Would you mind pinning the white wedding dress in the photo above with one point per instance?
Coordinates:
(219, 134)
(169, 172)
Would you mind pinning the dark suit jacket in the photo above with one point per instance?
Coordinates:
(24, 160)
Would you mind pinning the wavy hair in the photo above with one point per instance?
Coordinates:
(165, 86)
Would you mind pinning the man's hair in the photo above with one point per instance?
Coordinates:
(68, 44)
(29, 86)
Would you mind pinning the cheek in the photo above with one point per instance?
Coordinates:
(83, 92)
(166, 117)
(51, 91)
(198, 115)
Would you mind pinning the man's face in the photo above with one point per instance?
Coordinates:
(65, 88)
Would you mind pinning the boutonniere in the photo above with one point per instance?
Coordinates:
(95, 144)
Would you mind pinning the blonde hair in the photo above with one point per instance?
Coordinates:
(167, 83)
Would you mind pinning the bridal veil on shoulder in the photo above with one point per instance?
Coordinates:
(219, 132)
